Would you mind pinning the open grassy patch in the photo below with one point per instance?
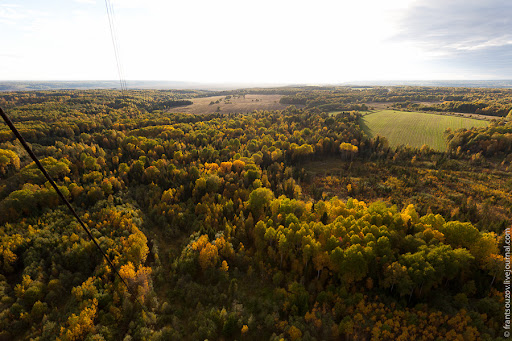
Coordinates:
(232, 104)
(415, 128)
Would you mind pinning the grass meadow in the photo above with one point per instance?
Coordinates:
(245, 104)
(415, 128)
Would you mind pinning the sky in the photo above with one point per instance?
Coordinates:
(247, 41)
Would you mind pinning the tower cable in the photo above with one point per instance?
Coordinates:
(111, 23)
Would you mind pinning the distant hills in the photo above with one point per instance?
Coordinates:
(112, 84)
(438, 83)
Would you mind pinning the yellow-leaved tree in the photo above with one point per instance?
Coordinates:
(79, 326)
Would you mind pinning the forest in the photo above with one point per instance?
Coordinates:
(289, 224)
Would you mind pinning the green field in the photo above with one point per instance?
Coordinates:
(415, 128)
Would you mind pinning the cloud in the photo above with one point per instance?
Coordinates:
(493, 62)
(17, 15)
(459, 24)
(10, 13)
(12, 56)
(266, 40)
(88, 2)
(472, 36)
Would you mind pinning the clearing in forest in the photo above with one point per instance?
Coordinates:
(415, 128)
(233, 103)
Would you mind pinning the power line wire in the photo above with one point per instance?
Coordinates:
(63, 198)
(113, 14)
(115, 44)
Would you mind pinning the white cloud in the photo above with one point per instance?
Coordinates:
(465, 38)
(251, 41)
(89, 2)
(9, 13)
(15, 14)
(458, 24)
(479, 44)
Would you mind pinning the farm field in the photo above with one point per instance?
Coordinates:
(232, 104)
(415, 128)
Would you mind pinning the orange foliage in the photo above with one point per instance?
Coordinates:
(79, 326)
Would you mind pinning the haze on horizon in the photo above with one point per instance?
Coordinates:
(257, 41)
